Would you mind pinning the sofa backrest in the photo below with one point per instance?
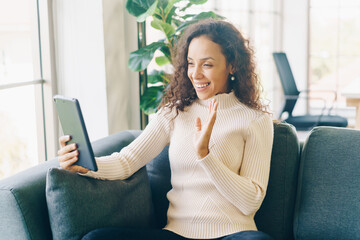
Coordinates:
(275, 216)
(276, 213)
(328, 200)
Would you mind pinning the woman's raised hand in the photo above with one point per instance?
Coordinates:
(203, 133)
(68, 156)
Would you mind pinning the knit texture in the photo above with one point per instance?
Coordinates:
(214, 196)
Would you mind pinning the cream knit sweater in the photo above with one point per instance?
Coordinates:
(214, 196)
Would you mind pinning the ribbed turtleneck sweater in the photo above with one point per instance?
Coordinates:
(214, 196)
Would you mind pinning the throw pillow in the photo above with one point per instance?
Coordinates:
(79, 204)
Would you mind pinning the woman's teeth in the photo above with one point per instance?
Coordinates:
(201, 85)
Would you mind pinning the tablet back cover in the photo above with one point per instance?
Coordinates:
(73, 124)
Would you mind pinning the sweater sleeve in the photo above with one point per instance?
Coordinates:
(247, 189)
(121, 165)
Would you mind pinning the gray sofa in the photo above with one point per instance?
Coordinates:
(313, 192)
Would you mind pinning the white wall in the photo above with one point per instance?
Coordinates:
(79, 49)
(93, 41)
(120, 36)
(295, 42)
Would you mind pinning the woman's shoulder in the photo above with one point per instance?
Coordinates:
(251, 115)
(166, 112)
(242, 108)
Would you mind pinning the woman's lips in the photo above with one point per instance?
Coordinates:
(201, 86)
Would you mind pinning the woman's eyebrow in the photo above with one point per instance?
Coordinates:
(203, 59)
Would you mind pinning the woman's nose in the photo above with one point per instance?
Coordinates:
(197, 73)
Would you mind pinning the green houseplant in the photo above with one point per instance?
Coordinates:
(170, 18)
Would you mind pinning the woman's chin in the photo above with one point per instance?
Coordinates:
(204, 96)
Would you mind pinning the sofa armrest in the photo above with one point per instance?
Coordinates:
(24, 213)
(23, 204)
(328, 196)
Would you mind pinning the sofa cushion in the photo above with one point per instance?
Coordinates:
(79, 204)
(276, 213)
(328, 201)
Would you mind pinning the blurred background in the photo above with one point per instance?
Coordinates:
(80, 48)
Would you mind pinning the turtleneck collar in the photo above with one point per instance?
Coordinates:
(225, 100)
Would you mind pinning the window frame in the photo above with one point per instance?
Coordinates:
(44, 81)
(46, 115)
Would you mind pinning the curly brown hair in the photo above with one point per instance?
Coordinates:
(246, 86)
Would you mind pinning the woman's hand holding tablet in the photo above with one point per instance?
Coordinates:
(68, 156)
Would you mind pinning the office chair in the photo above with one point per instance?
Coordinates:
(291, 92)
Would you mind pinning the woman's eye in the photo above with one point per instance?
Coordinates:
(207, 65)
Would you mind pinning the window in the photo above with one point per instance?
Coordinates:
(334, 49)
(22, 112)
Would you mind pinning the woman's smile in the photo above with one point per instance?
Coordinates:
(201, 86)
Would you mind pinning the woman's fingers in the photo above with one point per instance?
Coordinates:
(68, 163)
(198, 124)
(211, 119)
(203, 133)
(79, 169)
(212, 116)
(66, 149)
(68, 156)
(63, 140)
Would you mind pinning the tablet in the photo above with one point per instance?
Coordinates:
(73, 124)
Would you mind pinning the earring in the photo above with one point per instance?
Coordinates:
(232, 78)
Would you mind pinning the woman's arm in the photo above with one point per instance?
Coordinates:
(143, 149)
(247, 189)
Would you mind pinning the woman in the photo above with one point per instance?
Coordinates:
(220, 140)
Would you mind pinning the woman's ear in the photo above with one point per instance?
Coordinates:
(231, 69)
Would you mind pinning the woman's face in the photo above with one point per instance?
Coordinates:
(207, 68)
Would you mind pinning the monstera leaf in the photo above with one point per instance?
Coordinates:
(151, 99)
(140, 59)
(165, 27)
(196, 18)
(141, 9)
(156, 77)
